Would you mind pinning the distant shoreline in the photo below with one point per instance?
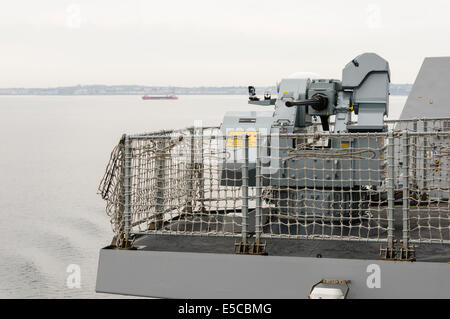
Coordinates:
(136, 94)
(80, 90)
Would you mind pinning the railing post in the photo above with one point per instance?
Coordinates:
(414, 159)
(191, 175)
(257, 247)
(390, 189)
(201, 166)
(127, 190)
(160, 182)
(405, 182)
(424, 161)
(258, 177)
(245, 191)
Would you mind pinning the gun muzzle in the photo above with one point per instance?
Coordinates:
(317, 102)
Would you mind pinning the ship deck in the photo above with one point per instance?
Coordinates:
(341, 249)
(184, 266)
(286, 247)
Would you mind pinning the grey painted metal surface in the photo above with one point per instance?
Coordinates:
(369, 76)
(357, 70)
(430, 96)
(292, 168)
(205, 275)
(236, 123)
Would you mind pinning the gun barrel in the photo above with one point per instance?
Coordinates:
(318, 102)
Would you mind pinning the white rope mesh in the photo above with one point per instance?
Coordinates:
(176, 186)
(313, 186)
(429, 184)
(328, 193)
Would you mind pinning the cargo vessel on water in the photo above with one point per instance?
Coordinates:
(160, 97)
(318, 197)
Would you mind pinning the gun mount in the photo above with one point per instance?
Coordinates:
(330, 176)
(364, 89)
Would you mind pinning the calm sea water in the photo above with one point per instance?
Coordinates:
(53, 153)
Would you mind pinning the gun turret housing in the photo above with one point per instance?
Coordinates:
(364, 89)
(314, 171)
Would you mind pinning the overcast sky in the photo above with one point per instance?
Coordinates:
(49, 43)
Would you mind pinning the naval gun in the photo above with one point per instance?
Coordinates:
(364, 89)
(298, 182)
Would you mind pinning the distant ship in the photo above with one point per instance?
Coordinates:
(160, 97)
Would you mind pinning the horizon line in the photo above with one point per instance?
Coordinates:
(143, 85)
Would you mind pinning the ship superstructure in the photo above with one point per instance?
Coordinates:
(317, 191)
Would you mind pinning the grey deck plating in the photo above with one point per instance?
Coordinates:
(286, 247)
(206, 267)
(206, 275)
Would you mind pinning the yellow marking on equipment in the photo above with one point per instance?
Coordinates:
(344, 145)
(234, 139)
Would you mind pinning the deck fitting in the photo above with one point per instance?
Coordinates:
(126, 243)
(245, 248)
(398, 253)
